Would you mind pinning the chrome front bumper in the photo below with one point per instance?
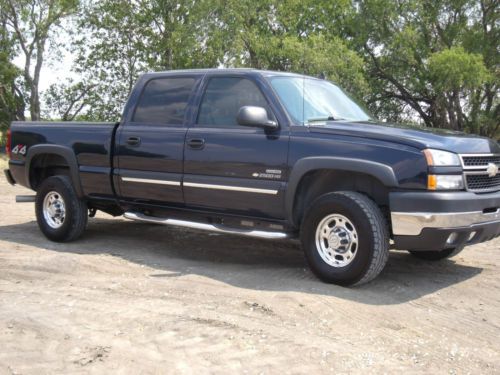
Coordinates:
(412, 223)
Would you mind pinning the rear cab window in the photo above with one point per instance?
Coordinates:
(164, 101)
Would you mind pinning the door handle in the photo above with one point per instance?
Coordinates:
(134, 141)
(196, 143)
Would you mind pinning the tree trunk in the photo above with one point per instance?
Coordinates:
(450, 108)
(35, 95)
(34, 103)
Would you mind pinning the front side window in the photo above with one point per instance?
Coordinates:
(308, 99)
(223, 98)
(164, 101)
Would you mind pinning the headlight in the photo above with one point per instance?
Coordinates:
(438, 158)
(445, 182)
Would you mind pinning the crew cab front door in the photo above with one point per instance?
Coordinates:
(150, 143)
(233, 168)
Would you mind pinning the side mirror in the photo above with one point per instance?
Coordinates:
(255, 116)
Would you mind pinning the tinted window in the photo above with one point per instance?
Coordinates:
(164, 101)
(224, 97)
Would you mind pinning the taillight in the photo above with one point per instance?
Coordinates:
(8, 143)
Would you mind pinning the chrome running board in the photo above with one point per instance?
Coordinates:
(209, 227)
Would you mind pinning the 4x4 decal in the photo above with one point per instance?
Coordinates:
(19, 149)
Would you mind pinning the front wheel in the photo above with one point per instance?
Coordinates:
(345, 238)
(60, 214)
(437, 255)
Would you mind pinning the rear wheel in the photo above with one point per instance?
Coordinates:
(437, 255)
(60, 214)
(345, 238)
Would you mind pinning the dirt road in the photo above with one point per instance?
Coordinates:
(130, 297)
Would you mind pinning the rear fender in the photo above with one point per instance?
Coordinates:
(63, 151)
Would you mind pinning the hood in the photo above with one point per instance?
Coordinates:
(414, 136)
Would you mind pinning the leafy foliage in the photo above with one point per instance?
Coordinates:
(11, 96)
(435, 63)
(30, 23)
(438, 58)
(67, 100)
(284, 36)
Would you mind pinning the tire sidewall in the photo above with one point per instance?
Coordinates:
(338, 204)
(62, 186)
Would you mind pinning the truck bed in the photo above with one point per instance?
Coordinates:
(91, 143)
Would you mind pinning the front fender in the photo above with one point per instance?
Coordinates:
(382, 172)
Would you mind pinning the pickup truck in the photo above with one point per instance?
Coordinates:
(265, 154)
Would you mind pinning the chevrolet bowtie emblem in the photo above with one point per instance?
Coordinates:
(492, 170)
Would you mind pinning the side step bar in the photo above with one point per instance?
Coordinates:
(25, 198)
(210, 227)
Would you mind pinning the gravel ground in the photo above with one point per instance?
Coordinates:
(131, 297)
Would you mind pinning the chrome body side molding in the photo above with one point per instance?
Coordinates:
(202, 186)
(151, 181)
(232, 188)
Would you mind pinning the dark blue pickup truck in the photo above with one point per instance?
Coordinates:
(265, 154)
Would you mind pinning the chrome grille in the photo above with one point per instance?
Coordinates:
(476, 173)
(479, 161)
(482, 182)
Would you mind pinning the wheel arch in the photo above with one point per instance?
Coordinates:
(48, 157)
(314, 176)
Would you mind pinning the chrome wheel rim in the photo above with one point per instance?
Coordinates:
(54, 210)
(337, 240)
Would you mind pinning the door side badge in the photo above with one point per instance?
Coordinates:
(269, 173)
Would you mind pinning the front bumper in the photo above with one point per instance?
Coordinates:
(436, 221)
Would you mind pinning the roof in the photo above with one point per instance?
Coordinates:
(265, 73)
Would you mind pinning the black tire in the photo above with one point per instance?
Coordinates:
(75, 217)
(370, 229)
(437, 255)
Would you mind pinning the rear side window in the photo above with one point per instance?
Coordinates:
(223, 98)
(164, 101)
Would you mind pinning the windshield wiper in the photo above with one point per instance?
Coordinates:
(323, 119)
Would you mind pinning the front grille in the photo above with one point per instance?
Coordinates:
(478, 161)
(482, 182)
(477, 168)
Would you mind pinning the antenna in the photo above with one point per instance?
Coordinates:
(303, 81)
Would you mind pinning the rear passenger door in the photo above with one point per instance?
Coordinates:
(151, 141)
(233, 168)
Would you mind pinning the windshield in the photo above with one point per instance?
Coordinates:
(322, 100)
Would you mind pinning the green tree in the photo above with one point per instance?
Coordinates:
(290, 36)
(436, 59)
(117, 40)
(435, 63)
(11, 95)
(32, 24)
(180, 34)
(110, 54)
(70, 100)
(455, 75)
